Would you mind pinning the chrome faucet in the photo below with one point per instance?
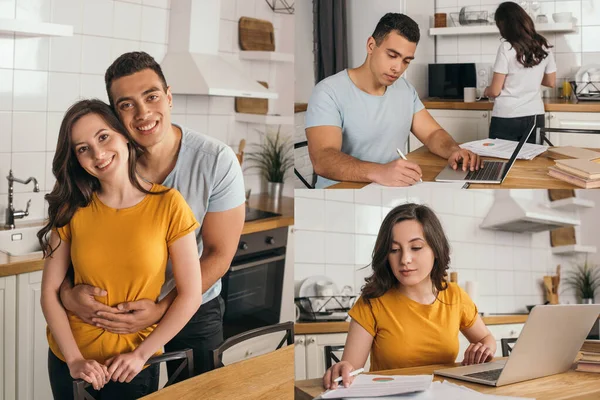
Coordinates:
(11, 213)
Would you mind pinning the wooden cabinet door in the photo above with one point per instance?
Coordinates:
(32, 345)
(462, 125)
(8, 337)
(574, 120)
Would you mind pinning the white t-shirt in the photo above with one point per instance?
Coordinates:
(521, 95)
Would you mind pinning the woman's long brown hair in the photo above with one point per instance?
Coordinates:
(382, 278)
(517, 27)
(74, 185)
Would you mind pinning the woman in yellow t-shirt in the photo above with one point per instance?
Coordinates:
(118, 231)
(408, 315)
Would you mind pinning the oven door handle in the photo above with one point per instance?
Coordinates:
(257, 263)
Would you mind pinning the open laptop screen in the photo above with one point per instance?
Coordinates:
(517, 150)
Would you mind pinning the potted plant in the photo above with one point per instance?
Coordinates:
(584, 280)
(273, 158)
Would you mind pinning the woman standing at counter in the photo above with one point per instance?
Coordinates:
(524, 62)
(118, 231)
(408, 315)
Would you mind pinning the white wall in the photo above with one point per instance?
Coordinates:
(304, 68)
(336, 231)
(41, 77)
(572, 50)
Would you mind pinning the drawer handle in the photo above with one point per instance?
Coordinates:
(300, 341)
(311, 340)
(248, 353)
(484, 115)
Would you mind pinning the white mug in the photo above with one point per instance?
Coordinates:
(470, 94)
(324, 288)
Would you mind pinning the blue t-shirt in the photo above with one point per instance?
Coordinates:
(372, 126)
(208, 175)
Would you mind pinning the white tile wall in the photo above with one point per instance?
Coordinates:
(336, 232)
(572, 50)
(41, 77)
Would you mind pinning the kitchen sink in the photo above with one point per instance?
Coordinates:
(20, 244)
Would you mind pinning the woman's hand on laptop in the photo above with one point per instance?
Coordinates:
(343, 369)
(477, 353)
(470, 161)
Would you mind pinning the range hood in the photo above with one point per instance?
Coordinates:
(192, 65)
(514, 212)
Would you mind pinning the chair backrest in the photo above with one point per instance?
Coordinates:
(302, 179)
(186, 366)
(507, 346)
(570, 137)
(330, 356)
(288, 338)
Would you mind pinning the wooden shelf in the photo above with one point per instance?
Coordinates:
(492, 29)
(34, 28)
(572, 204)
(266, 56)
(265, 119)
(573, 249)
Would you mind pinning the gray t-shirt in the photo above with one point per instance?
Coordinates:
(209, 177)
(372, 126)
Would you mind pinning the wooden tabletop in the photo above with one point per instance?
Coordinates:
(284, 206)
(524, 174)
(570, 385)
(266, 377)
(315, 328)
(550, 105)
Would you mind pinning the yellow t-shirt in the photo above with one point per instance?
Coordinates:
(410, 334)
(125, 252)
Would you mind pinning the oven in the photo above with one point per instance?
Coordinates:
(252, 288)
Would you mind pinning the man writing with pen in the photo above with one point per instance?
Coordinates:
(358, 118)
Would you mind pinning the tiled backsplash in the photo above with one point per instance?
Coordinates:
(336, 231)
(572, 50)
(41, 77)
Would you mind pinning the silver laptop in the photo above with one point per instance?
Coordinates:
(548, 345)
(492, 171)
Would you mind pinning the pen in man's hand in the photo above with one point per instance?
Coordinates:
(404, 158)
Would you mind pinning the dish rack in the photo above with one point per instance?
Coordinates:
(463, 18)
(324, 308)
(586, 91)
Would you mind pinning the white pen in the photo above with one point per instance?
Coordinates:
(353, 373)
(404, 158)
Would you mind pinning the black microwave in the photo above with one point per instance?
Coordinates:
(447, 81)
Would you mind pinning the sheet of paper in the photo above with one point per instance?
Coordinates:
(435, 185)
(444, 391)
(381, 385)
(501, 148)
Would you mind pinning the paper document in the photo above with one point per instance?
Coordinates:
(444, 391)
(501, 148)
(380, 385)
(433, 185)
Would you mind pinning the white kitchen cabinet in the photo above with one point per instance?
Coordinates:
(462, 125)
(573, 120)
(300, 357)
(8, 336)
(32, 345)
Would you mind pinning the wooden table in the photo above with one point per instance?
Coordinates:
(571, 385)
(266, 377)
(524, 174)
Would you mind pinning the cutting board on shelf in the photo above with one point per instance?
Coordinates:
(256, 34)
(562, 236)
(252, 106)
(559, 194)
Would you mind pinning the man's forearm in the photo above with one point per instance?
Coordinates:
(338, 166)
(441, 143)
(213, 266)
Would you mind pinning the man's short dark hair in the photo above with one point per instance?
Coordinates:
(128, 64)
(402, 24)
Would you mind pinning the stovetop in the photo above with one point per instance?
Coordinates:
(253, 214)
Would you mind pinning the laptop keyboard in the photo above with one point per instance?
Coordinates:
(489, 172)
(491, 375)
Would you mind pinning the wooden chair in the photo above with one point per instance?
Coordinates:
(187, 365)
(569, 137)
(506, 346)
(330, 357)
(300, 145)
(288, 327)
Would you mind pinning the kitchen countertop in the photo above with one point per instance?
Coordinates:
(285, 207)
(311, 328)
(550, 105)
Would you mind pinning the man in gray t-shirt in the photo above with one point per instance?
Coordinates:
(358, 118)
(208, 175)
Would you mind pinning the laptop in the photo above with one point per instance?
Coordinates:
(548, 345)
(492, 171)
